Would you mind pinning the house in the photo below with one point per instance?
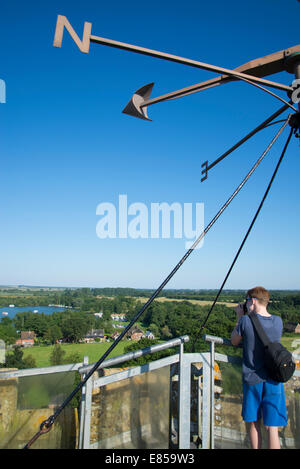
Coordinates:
(118, 317)
(149, 335)
(292, 327)
(99, 315)
(94, 334)
(115, 335)
(27, 339)
(135, 334)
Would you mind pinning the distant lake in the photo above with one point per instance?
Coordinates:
(12, 311)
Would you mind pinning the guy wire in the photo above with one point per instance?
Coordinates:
(269, 92)
(247, 234)
(47, 424)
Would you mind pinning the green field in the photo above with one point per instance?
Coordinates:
(94, 351)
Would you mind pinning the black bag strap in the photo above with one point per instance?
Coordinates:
(259, 329)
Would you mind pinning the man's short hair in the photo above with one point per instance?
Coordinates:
(261, 294)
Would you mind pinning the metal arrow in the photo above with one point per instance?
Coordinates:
(251, 72)
(255, 66)
(190, 62)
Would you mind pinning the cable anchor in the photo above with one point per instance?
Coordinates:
(45, 427)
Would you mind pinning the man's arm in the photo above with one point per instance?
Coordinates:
(236, 338)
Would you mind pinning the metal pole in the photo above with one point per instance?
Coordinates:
(199, 401)
(185, 61)
(243, 140)
(87, 414)
(206, 401)
(184, 401)
(212, 390)
(137, 353)
(82, 407)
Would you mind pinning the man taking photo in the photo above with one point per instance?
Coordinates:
(262, 397)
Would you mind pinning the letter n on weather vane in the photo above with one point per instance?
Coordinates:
(62, 22)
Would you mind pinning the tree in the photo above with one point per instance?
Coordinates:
(165, 333)
(7, 332)
(156, 331)
(75, 328)
(29, 362)
(15, 359)
(57, 356)
(72, 358)
(53, 334)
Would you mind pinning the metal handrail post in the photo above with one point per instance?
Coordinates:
(206, 400)
(82, 408)
(212, 391)
(87, 414)
(184, 400)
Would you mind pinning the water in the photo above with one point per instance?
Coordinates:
(22, 309)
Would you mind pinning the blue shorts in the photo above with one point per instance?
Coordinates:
(266, 400)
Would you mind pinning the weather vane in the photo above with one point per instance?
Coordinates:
(252, 72)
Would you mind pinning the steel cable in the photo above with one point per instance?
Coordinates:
(47, 424)
(247, 234)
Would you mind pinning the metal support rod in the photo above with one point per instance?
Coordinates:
(206, 401)
(212, 390)
(199, 406)
(243, 140)
(261, 67)
(184, 402)
(137, 353)
(185, 61)
(82, 408)
(87, 415)
(177, 94)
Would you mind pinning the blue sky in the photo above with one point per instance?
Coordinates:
(66, 146)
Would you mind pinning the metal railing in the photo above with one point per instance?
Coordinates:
(183, 376)
(86, 403)
(234, 360)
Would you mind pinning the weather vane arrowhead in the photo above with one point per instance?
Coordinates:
(136, 106)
